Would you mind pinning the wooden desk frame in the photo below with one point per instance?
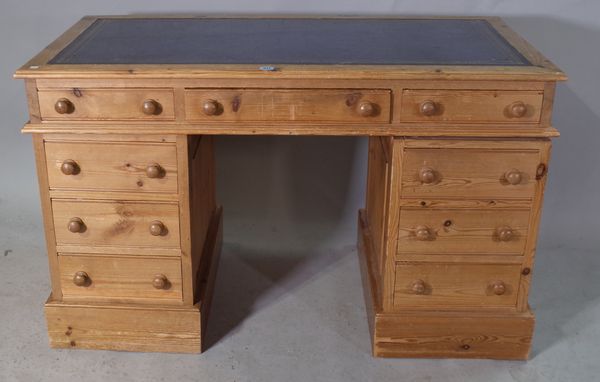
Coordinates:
(398, 328)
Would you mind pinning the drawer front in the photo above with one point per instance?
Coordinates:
(265, 105)
(472, 173)
(112, 166)
(456, 231)
(108, 276)
(471, 106)
(447, 285)
(114, 223)
(106, 104)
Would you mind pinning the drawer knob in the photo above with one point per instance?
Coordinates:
(517, 109)
(151, 107)
(154, 170)
(64, 106)
(423, 233)
(418, 287)
(76, 225)
(499, 288)
(513, 176)
(210, 107)
(157, 228)
(69, 167)
(160, 281)
(367, 109)
(427, 175)
(505, 233)
(81, 279)
(428, 108)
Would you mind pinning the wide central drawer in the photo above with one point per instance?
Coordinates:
(124, 277)
(291, 105)
(116, 223)
(462, 231)
(112, 166)
(447, 285)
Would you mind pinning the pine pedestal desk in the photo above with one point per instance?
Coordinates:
(124, 110)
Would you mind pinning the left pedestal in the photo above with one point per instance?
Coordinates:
(133, 236)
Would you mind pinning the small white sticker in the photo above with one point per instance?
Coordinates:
(267, 68)
(34, 67)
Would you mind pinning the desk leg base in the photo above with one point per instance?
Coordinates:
(439, 334)
(139, 327)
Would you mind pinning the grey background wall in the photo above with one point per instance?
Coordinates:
(308, 190)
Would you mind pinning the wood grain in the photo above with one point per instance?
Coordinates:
(116, 223)
(106, 104)
(287, 105)
(185, 212)
(447, 335)
(124, 327)
(203, 207)
(116, 278)
(370, 278)
(458, 231)
(470, 173)
(471, 143)
(321, 129)
(470, 106)
(534, 224)
(207, 271)
(451, 285)
(439, 334)
(377, 198)
(49, 233)
(112, 166)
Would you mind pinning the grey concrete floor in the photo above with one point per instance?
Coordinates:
(289, 307)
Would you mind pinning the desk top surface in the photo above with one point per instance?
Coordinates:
(109, 43)
(291, 41)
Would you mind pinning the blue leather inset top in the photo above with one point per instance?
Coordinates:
(291, 41)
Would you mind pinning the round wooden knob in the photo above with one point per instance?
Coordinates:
(513, 176)
(151, 107)
(154, 170)
(210, 107)
(504, 233)
(517, 109)
(418, 287)
(367, 109)
(64, 106)
(498, 287)
(423, 233)
(81, 279)
(157, 228)
(69, 167)
(428, 108)
(427, 175)
(76, 225)
(160, 281)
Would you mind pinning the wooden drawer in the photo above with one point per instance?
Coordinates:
(267, 105)
(116, 223)
(477, 172)
(120, 277)
(106, 104)
(447, 285)
(112, 166)
(471, 106)
(460, 231)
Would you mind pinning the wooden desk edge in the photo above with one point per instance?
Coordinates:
(294, 130)
(542, 69)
